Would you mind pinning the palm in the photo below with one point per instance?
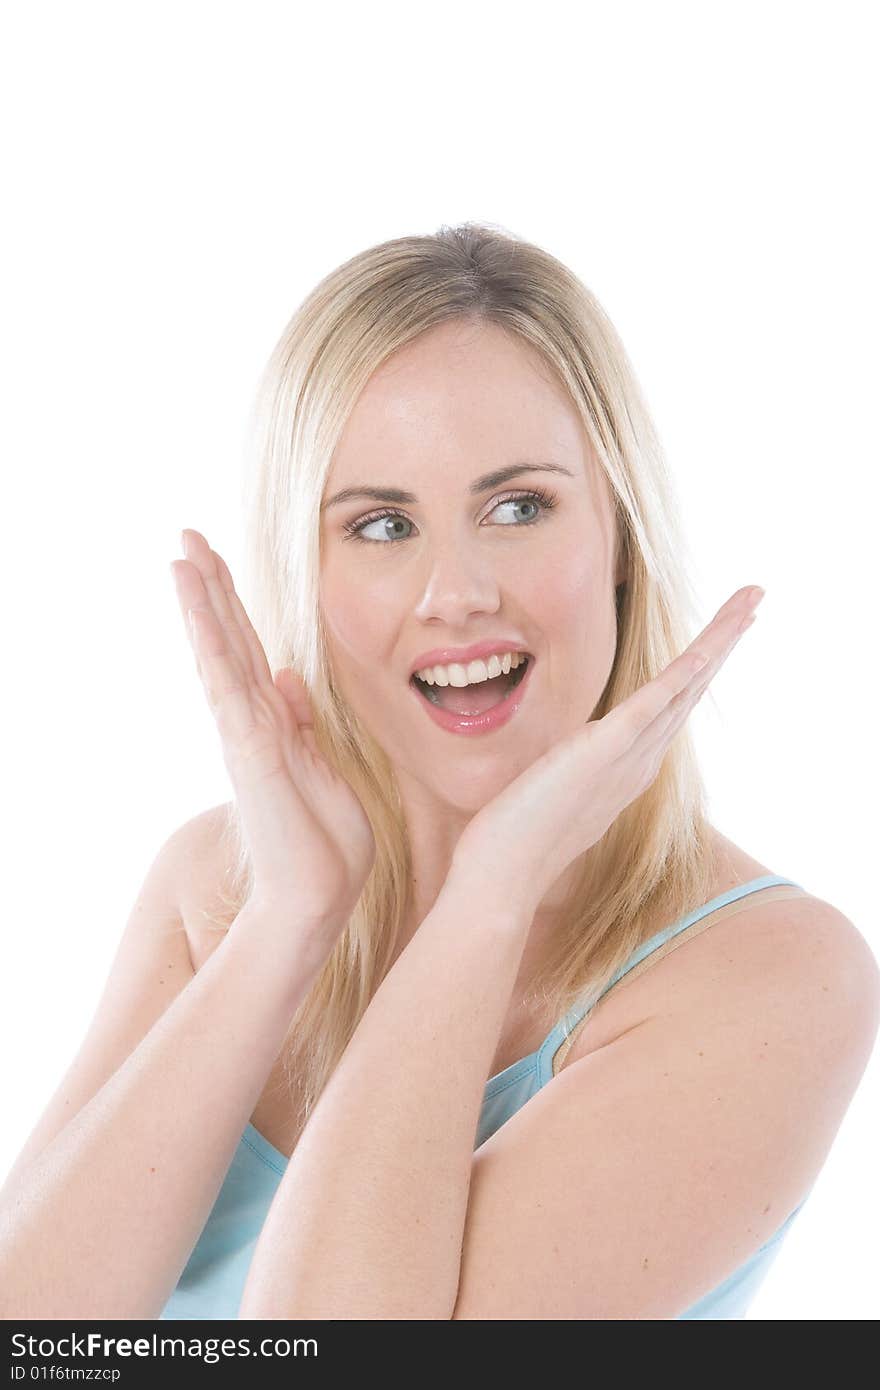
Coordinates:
(310, 840)
(565, 801)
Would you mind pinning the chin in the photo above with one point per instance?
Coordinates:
(469, 792)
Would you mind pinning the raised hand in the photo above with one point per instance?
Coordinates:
(565, 801)
(309, 837)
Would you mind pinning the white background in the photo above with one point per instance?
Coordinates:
(178, 176)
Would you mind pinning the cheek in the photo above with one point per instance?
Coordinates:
(576, 616)
(569, 593)
(357, 620)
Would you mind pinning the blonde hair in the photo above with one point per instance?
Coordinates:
(653, 863)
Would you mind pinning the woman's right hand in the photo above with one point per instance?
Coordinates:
(310, 840)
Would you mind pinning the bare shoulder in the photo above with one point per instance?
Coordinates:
(203, 887)
(809, 960)
(798, 959)
(826, 926)
(800, 955)
(707, 1113)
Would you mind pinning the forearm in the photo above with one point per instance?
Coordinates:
(104, 1220)
(369, 1217)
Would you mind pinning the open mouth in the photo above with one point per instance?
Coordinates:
(476, 698)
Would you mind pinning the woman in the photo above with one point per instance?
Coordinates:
(468, 840)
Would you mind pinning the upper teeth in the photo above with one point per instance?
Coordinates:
(474, 671)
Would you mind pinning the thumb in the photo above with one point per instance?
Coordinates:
(293, 688)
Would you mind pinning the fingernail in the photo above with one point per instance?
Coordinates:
(183, 541)
(756, 594)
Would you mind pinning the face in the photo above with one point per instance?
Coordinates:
(528, 560)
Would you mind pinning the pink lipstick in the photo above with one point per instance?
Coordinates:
(485, 723)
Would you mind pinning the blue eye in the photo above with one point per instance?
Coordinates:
(354, 529)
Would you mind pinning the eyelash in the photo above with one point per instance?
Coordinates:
(352, 529)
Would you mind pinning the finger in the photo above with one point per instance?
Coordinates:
(200, 554)
(728, 618)
(193, 598)
(654, 740)
(259, 664)
(188, 590)
(293, 690)
(221, 674)
(191, 591)
(629, 721)
(293, 708)
(708, 673)
(233, 694)
(634, 717)
(260, 669)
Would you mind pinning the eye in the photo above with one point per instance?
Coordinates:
(354, 530)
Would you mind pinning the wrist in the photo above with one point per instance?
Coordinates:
(293, 940)
(503, 896)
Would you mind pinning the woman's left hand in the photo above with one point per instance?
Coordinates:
(566, 800)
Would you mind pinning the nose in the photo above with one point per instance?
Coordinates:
(458, 582)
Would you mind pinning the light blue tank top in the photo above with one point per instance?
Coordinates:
(213, 1280)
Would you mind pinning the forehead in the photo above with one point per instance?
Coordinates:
(461, 396)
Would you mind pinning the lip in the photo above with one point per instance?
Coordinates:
(485, 723)
(445, 656)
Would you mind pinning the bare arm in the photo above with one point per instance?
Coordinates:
(104, 1219)
(103, 1210)
(368, 1220)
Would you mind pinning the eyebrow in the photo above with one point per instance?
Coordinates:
(484, 484)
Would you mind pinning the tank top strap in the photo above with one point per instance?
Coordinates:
(668, 939)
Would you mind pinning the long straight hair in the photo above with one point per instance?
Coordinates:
(653, 864)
